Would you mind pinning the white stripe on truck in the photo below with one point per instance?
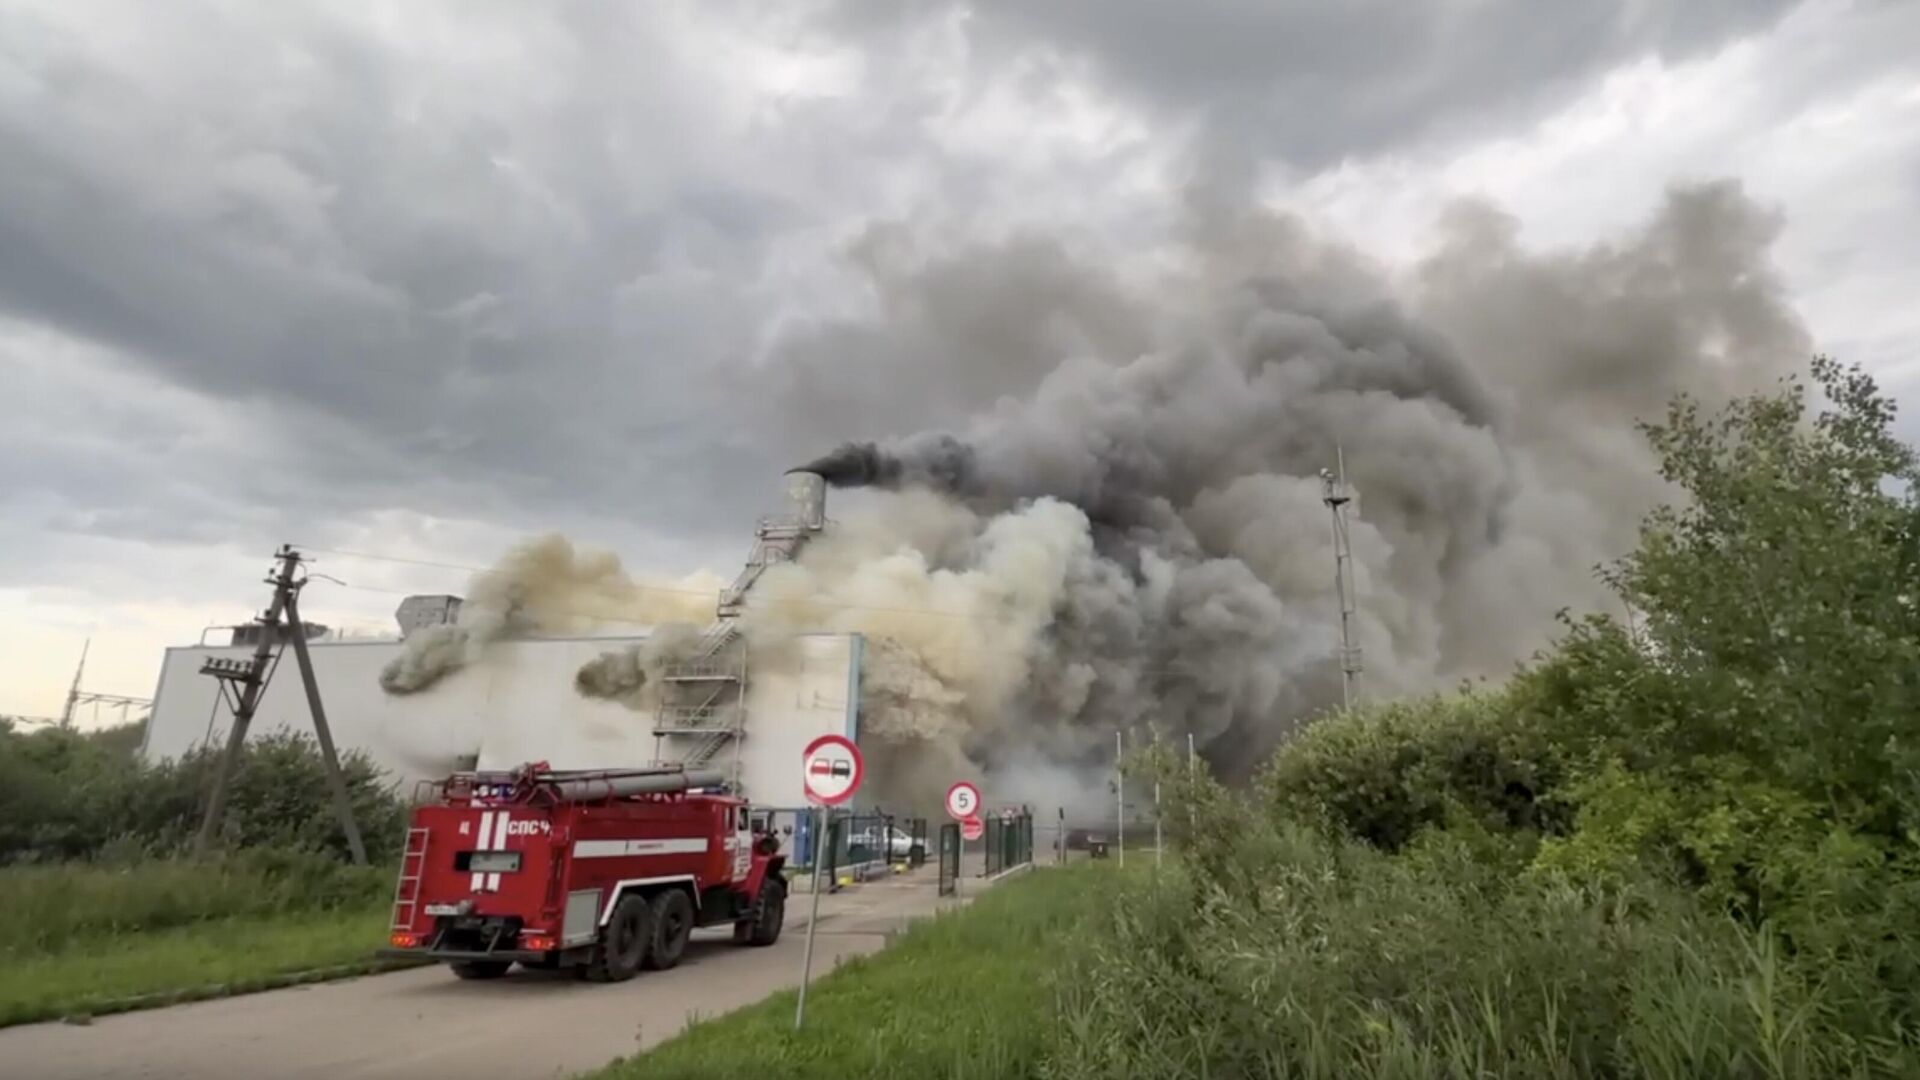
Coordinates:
(481, 841)
(499, 844)
(673, 845)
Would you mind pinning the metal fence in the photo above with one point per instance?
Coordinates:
(949, 858)
(1009, 841)
(859, 844)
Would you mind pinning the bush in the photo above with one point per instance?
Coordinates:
(1383, 774)
(74, 795)
(1324, 957)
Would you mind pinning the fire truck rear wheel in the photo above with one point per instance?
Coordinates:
(624, 942)
(480, 969)
(768, 915)
(672, 925)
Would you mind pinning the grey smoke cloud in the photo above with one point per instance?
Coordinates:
(1485, 406)
(1139, 541)
(631, 675)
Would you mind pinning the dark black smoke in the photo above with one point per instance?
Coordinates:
(936, 460)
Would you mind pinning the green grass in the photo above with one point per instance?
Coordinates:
(88, 938)
(1293, 955)
(206, 959)
(962, 995)
(51, 907)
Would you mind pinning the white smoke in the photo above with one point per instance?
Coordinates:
(545, 587)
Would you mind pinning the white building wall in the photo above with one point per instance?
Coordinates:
(517, 706)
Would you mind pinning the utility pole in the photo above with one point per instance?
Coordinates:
(1119, 797)
(249, 680)
(806, 972)
(322, 732)
(1156, 823)
(73, 692)
(1335, 493)
(1193, 794)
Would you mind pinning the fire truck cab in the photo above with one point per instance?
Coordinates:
(603, 871)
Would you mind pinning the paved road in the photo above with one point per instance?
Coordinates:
(424, 1023)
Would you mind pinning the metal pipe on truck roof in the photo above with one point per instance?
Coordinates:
(611, 787)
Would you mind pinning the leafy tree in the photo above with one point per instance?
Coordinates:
(1769, 706)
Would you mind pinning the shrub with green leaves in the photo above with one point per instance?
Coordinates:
(85, 795)
(1321, 957)
(1383, 774)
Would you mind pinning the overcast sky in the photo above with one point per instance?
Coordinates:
(424, 278)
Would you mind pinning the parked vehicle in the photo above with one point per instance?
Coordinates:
(894, 843)
(604, 871)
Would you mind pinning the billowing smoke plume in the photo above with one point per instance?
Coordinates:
(1141, 538)
(631, 675)
(1133, 535)
(545, 586)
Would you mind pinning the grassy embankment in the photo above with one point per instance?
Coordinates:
(962, 995)
(83, 940)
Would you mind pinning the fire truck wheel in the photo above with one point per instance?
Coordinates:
(623, 944)
(672, 925)
(768, 915)
(480, 969)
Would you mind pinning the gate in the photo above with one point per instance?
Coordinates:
(1009, 841)
(949, 858)
(917, 842)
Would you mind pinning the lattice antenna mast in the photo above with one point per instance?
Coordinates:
(73, 692)
(1335, 493)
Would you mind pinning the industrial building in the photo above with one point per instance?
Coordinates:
(519, 704)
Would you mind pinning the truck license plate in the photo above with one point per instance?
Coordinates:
(443, 909)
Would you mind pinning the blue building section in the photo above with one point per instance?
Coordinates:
(803, 830)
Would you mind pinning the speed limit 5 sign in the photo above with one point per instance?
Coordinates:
(963, 799)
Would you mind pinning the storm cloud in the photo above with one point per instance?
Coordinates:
(419, 278)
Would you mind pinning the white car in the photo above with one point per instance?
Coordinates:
(898, 843)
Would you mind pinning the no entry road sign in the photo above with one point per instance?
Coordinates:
(973, 828)
(832, 769)
(962, 800)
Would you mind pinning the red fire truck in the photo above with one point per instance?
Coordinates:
(602, 871)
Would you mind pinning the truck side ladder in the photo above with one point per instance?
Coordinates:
(413, 867)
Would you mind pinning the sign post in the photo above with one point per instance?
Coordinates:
(972, 829)
(963, 802)
(831, 769)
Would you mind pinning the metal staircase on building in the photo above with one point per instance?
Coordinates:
(776, 540)
(702, 699)
(703, 705)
